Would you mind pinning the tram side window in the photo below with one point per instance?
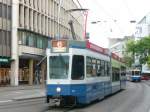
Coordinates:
(123, 71)
(77, 68)
(88, 66)
(102, 68)
(94, 67)
(115, 74)
(108, 68)
(98, 68)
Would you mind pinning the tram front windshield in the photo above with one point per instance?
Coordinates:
(58, 67)
(135, 73)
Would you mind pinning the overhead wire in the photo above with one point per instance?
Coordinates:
(128, 9)
(110, 16)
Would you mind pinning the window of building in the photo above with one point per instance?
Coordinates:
(31, 40)
(27, 38)
(0, 37)
(4, 11)
(9, 12)
(0, 9)
(4, 37)
(8, 38)
(39, 43)
(23, 38)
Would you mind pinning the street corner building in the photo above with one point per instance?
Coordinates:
(26, 29)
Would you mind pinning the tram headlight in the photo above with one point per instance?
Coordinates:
(58, 89)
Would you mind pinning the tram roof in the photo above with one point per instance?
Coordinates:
(64, 45)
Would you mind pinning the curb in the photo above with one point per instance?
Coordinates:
(28, 98)
(17, 89)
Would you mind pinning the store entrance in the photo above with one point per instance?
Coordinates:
(4, 74)
(23, 71)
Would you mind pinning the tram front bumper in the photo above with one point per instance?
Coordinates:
(66, 90)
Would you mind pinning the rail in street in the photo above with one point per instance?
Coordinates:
(134, 99)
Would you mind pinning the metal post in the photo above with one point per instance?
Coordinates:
(58, 18)
(85, 25)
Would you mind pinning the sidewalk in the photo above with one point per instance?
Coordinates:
(8, 94)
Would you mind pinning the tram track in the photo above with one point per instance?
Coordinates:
(33, 102)
(16, 104)
(60, 109)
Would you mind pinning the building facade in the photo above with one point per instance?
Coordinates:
(30, 25)
(143, 27)
(143, 30)
(5, 40)
(117, 45)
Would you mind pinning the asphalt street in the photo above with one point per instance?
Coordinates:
(135, 98)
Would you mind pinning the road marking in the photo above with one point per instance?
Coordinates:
(18, 92)
(5, 101)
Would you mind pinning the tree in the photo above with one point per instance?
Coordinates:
(144, 49)
(140, 48)
(129, 52)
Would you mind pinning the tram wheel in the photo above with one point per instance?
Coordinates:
(68, 101)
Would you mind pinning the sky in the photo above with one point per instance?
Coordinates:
(114, 17)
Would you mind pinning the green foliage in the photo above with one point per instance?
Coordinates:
(148, 61)
(141, 48)
(128, 60)
(130, 52)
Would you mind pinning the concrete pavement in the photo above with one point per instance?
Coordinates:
(9, 94)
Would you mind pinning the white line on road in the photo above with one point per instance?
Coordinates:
(5, 101)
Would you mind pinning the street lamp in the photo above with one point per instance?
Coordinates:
(132, 21)
(95, 22)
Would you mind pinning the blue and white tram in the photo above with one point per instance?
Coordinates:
(78, 72)
(118, 73)
(135, 75)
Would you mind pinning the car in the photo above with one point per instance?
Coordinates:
(145, 78)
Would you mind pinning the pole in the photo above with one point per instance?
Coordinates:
(58, 18)
(85, 24)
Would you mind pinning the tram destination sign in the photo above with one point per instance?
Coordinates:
(59, 46)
